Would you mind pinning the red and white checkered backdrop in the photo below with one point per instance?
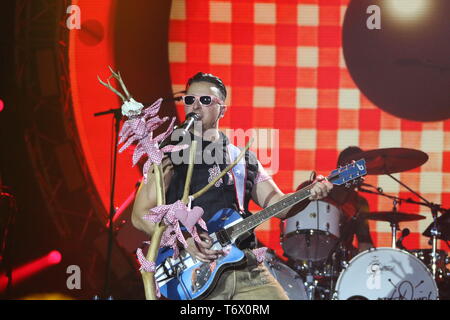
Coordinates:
(283, 65)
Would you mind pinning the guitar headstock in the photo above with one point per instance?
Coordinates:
(353, 172)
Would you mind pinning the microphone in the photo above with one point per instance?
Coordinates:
(184, 127)
(380, 190)
(405, 233)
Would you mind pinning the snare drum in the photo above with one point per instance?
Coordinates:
(313, 232)
(386, 274)
(289, 280)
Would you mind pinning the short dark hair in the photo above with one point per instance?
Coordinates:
(346, 155)
(208, 77)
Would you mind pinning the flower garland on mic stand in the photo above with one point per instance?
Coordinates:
(139, 128)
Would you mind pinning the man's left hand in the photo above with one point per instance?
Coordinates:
(321, 188)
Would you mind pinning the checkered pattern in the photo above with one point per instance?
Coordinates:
(283, 65)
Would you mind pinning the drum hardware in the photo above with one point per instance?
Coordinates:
(426, 255)
(394, 160)
(340, 248)
(434, 236)
(310, 283)
(395, 217)
(434, 232)
(389, 216)
(399, 243)
(442, 225)
(394, 225)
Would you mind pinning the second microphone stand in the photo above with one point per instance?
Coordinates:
(117, 117)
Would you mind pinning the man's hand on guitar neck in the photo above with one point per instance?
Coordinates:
(321, 188)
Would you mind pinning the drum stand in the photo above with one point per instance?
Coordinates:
(434, 231)
(310, 283)
(394, 226)
(434, 236)
(333, 257)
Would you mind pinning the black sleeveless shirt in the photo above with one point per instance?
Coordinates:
(211, 158)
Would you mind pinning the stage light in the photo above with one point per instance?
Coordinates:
(407, 9)
(2, 105)
(54, 257)
(23, 272)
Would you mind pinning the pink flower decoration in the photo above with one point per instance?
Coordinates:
(147, 266)
(171, 215)
(213, 173)
(260, 254)
(141, 129)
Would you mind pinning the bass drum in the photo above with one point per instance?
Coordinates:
(289, 280)
(386, 274)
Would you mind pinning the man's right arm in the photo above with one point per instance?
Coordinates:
(146, 197)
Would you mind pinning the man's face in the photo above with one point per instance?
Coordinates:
(209, 114)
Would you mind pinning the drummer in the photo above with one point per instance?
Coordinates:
(354, 207)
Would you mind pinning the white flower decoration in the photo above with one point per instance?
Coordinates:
(132, 108)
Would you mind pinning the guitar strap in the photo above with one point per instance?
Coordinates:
(239, 173)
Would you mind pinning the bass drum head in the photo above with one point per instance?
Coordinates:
(289, 280)
(386, 274)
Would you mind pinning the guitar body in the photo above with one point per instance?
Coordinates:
(193, 279)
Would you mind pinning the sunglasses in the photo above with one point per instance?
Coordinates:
(205, 101)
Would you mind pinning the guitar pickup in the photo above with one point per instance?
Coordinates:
(223, 237)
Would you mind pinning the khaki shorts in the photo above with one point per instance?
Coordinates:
(250, 281)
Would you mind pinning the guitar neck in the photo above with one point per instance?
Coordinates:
(271, 211)
(340, 176)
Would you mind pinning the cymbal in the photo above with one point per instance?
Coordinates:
(443, 226)
(390, 160)
(392, 217)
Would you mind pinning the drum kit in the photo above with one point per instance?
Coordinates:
(322, 267)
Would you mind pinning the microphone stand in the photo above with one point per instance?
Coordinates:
(409, 200)
(434, 230)
(347, 231)
(117, 113)
(5, 240)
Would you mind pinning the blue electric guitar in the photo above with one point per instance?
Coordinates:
(187, 278)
